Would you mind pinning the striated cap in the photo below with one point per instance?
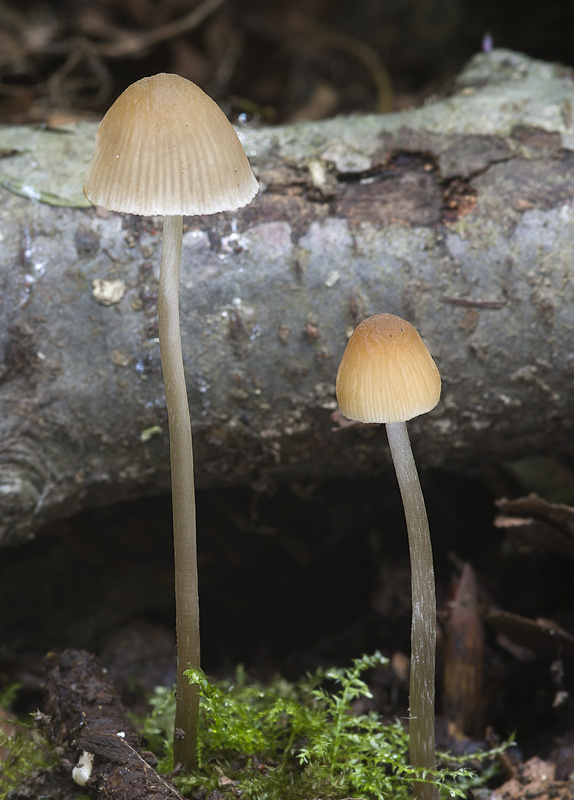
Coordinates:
(165, 147)
(387, 373)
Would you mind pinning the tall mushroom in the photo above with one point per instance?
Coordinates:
(388, 375)
(164, 147)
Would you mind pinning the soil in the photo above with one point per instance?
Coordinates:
(307, 576)
(296, 576)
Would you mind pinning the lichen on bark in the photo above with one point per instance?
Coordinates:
(457, 216)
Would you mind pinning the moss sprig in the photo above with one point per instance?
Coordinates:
(300, 740)
(26, 748)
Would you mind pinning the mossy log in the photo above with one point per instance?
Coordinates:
(457, 216)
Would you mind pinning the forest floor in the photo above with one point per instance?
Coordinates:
(303, 576)
(314, 576)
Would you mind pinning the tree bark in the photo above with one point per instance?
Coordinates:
(86, 716)
(457, 216)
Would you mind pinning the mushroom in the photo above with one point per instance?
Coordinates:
(388, 375)
(165, 147)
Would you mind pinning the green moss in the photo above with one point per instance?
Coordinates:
(299, 740)
(27, 750)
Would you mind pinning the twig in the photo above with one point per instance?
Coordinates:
(133, 44)
(133, 766)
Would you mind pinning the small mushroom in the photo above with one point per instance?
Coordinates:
(165, 147)
(83, 770)
(388, 375)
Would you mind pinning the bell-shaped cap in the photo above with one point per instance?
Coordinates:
(387, 373)
(165, 147)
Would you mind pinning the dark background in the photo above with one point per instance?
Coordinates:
(273, 60)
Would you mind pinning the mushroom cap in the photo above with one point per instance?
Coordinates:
(165, 147)
(387, 373)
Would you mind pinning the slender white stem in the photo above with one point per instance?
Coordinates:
(423, 628)
(183, 494)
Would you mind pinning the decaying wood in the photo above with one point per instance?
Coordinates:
(86, 715)
(458, 216)
(535, 525)
(533, 638)
(463, 658)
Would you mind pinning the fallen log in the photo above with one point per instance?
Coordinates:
(86, 719)
(458, 216)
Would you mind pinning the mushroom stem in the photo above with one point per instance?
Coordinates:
(183, 494)
(423, 625)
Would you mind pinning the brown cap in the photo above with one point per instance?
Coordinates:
(387, 373)
(165, 147)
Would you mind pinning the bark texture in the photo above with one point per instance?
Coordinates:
(86, 716)
(458, 216)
